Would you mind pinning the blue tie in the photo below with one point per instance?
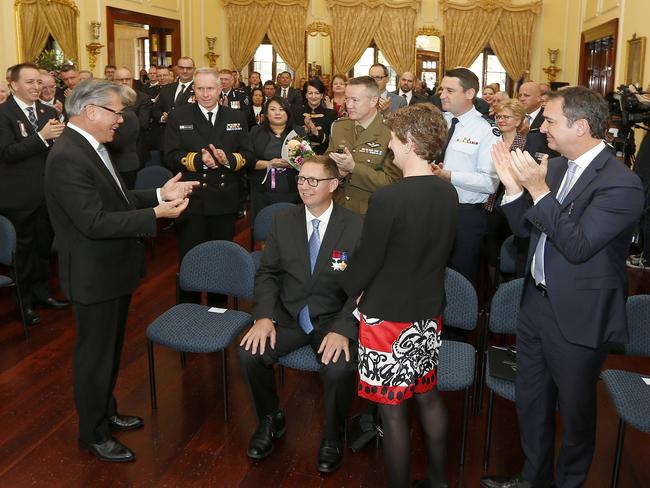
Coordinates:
(314, 245)
(538, 270)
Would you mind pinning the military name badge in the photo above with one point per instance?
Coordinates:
(23, 129)
(339, 260)
(235, 104)
(374, 152)
(467, 140)
(233, 126)
(186, 127)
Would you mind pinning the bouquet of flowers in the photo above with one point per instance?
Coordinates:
(295, 150)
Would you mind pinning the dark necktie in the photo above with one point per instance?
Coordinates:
(210, 114)
(101, 149)
(180, 93)
(31, 116)
(314, 246)
(538, 270)
(450, 133)
(284, 93)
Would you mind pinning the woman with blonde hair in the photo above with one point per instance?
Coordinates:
(336, 100)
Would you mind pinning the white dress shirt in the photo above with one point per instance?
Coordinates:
(324, 220)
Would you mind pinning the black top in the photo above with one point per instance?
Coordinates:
(323, 118)
(406, 242)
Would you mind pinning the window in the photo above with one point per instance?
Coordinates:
(370, 56)
(489, 70)
(268, 62)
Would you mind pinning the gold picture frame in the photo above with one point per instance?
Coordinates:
(635, 60)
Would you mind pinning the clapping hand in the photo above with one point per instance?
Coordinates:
(503, 165)
(212, 156)
(175, 189)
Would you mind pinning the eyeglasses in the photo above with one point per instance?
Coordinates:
(313, 182)
(504, 117)
(119, 114)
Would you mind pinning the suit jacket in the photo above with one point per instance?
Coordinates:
(165, 101)
(415, 97)
(294, 96)
(589, 236)
(408, 234)
(536, 142)
(129, 149)
(99, 233)
(284, 283)
(22, 155)
(187, 132)
(396, 101)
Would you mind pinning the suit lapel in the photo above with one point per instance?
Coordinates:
(555, 174)
(202, 124)
(21, 116)
(539, 120)
(299, 228)
(586, 177)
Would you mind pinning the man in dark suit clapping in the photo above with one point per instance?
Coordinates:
(580, 218)
(299, 300)
(100, 226)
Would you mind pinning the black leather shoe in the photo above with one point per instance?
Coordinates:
(509, 482)
(125, 422)
(271, 427)
(330, 456)
(423, 484)
(31, 317)
(51, 302)
(111, 450)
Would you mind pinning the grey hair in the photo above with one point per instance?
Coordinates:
(93, 92)
(207, 71)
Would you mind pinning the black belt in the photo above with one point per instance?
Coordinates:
(542, 289)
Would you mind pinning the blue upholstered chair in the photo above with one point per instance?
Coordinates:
(8, 258)
(262, 226)
(631, 396)
(504, 316)
(151, 177)
(457, 362)
(215, 267)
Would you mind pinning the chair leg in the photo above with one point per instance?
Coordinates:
(19, 297)
(619, 451)
(465, 421)
(282, 375)
(152, 375)
(224, 369)
(183, 359)
(488, 433)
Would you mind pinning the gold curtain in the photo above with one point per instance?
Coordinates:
(467, 31)
(395, 37)
(511, 42)
(352, 32)
(30, 22)
(60, 16)
(247, 25)
(287, 34)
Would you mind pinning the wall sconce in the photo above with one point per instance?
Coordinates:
(211, 55)
(93, 49)
(552, 70)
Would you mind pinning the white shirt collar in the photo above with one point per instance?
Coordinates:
(205, 111)
(23, 105)
(89, 137)
(324, 219)
(584, 159)
(533, 115)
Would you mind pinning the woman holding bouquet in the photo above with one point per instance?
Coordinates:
(272, 178)
(398, 272)
(316, 118)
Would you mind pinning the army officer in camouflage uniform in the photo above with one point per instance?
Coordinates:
(208, 143)
(359, 146)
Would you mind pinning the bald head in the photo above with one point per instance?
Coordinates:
(530, 96)
(406, 81)
(123, 76)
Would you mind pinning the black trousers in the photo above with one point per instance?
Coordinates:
(338, 378)
(553, 372)
(96, 362)
(473, 223)
(34, 238)
(193, 229)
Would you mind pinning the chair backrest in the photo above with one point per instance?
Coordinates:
(7, 241)
(461, 309)
(504, 308)
(152, 177)
(508, 255)
(264, 219)
(218, 267)
(638, 324)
